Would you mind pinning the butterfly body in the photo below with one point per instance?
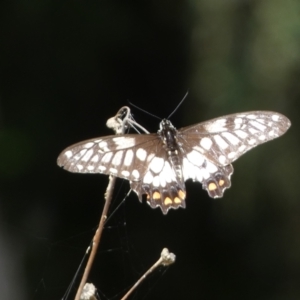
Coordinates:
(169, 136)
(158, 164)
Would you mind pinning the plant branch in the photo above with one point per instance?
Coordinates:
(166, 259)
(119, 125)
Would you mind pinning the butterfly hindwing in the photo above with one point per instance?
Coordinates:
(161, 184)
(214, 178)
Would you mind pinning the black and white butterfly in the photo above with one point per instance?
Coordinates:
(158, 164)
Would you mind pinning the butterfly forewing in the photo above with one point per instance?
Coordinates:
(225, 139)
(158, 164)
(124, 156)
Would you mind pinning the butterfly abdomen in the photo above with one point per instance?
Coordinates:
(168, 134)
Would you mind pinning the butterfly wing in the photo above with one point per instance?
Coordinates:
(206, 151)
(141, 159)
(225, 139)
(210, 147)
(160, 183)
(214, 178)
(124, 156)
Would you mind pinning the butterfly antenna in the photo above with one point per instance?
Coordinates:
(178, 105)
(146, 112)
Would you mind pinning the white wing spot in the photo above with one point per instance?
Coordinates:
(124, 142)
(231, 138)
(168, 172)
(102, 168)
(156, 181)
(222, 159)
(251, 116)
(206, 143)
(141, 154)
(221, 143)
(198, 174)
(125, 173)
(88, 155)
(242, 148)
(203, 174)
(211, 168)
(117, 158)
(271, 133)
(216, 126)
(253, 130)
(79, 167)
(238, 121)
(128, 158)
(188, 169)
(258, 125)
(150, 156)
(90, 168)
(80, 154)
(162, 179)
(136, 174)
(156, 164)
(113, 170)
(231, 155)
(103, 146)
(195, 158)
(262, 137)
(106, 158)
(95, 158)
(148, 178)
(252, 141)
(275, 118)
(240, 133)
(68, 154)
(221, 122)
(88, 145)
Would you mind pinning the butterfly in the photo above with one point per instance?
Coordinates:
(158, 164)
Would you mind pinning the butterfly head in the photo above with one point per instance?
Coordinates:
(165, 124)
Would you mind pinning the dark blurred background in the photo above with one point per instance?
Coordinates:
(67, 66)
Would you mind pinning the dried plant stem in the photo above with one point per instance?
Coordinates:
(97, 236)
(165, 259)
(118, 123)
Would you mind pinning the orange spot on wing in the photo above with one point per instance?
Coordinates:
(168, 201)
(221, 182)
(181, 194)
(212, 186)
(177, 200)
(156, 196)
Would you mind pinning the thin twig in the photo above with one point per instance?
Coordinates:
(119, 125)
(166, 258)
